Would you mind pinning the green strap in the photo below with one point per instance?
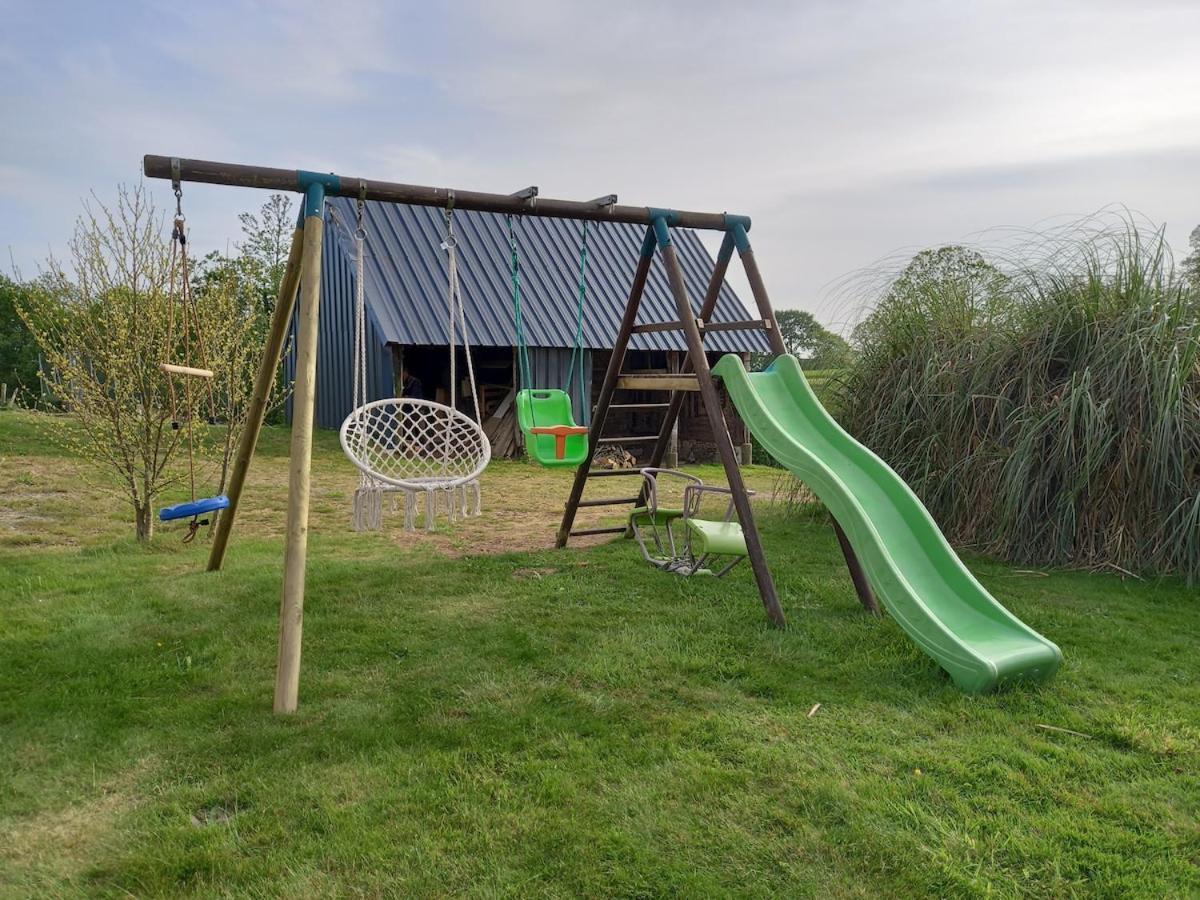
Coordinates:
(518, 320)
(577, 353)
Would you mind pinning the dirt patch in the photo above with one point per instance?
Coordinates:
(533, 574)
(49, 503)
(57, 845)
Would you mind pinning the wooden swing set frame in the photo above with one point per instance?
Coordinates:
(302, 278)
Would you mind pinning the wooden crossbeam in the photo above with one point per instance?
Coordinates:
(657, 383)
(741, 325)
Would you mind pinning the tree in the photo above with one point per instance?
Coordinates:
(234, 343)
(103, 329)
(1191, 263)
(18, 349)
(952, 288)
(808, 339)
(264, 251)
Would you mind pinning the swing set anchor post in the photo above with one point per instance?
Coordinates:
(291, 610)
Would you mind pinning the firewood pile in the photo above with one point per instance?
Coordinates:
(610, 456)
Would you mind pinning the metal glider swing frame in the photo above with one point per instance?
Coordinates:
(302, 280)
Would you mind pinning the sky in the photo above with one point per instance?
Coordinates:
(851, 132)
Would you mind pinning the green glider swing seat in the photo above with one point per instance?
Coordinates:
(544, 415)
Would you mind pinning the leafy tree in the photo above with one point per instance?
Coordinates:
(103, 329)
(250, 282)
(952, 286)
(1191, 263)
(808, 339)
(264, 252)
(18, 349)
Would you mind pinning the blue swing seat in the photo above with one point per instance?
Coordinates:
(193, 508)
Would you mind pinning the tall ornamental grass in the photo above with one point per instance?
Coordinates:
(1047, 411)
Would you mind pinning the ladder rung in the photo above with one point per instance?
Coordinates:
(741, 325)
(606, 473)
(658, 382)
(657, 326)
(583, 532)
(608, 501)
(632, 439)
(638, 406)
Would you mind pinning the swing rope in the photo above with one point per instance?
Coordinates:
(360, 310)
(575, 366)
(455, 305)
(577, 348)
(525, 373)
(180, 294)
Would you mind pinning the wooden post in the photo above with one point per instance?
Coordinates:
(712, 405)
(281, 318)
(857, 574)
(668, 435)
(397, 370)
(671, 455)
(291, 611)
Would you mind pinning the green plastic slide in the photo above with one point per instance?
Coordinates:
(917, 576)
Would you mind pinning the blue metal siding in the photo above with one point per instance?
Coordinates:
(406, 279)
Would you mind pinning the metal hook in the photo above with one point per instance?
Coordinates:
(360, 233)
(448, 215)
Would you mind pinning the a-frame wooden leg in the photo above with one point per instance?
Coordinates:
(759, 290)
(712, 406)
(677, 397)
(281, 320)
(291, 607)
(608, 387)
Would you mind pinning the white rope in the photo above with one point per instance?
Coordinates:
(457, 318)
(466, 341)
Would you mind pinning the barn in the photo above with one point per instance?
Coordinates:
(407, 330)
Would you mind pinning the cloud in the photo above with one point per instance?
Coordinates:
(846, 130)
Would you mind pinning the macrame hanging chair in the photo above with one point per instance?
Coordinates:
(417, 449)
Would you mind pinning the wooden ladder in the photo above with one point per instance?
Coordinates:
(677, 385)
(695, 375)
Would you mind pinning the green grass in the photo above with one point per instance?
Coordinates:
(565, 723)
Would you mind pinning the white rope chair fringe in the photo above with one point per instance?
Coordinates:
(457, 501)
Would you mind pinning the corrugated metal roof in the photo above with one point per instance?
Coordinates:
(406, 279)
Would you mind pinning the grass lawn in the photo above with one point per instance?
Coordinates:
(482, 714)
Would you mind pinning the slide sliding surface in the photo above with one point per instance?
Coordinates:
(917, 575)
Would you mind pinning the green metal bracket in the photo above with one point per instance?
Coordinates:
(671, 215)
(731, 220)
(648, 243)
(661, 233)
(314, 185)
(725, 254)
(740, 238)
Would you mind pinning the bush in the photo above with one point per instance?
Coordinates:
(1048, 413)
(18, 349)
